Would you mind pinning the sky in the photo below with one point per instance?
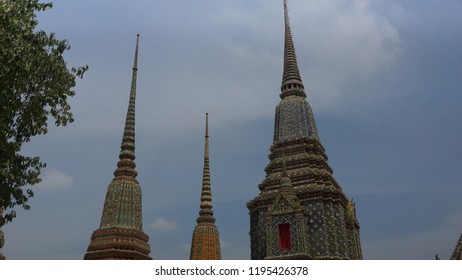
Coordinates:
(383, 79)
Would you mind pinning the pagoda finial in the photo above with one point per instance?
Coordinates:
(291, 81)
(126, 165)
(206, 150)
(206, 212)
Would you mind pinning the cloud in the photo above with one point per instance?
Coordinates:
(54, 180)
(162, 224)
(341, 43)
(224, 244)
(233, 64)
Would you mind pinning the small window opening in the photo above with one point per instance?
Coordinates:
(284, 236)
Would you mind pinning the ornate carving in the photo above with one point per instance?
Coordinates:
(286, 209)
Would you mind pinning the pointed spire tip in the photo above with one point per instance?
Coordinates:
(206, 212)
(207, 125)
(291, 80)
(126, 165)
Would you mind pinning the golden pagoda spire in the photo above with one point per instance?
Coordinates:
(206, 212)
(205, 243)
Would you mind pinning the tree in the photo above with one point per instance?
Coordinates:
(35, 83)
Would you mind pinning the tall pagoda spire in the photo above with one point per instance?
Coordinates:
(291, 81)
(205, 243)
(126, 165)
(206, 212)
(301, 211)
(120, 235)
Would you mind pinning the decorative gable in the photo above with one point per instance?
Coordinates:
(285, 204)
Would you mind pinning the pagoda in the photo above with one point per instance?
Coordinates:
(301, 211)
(120, 234)
(457, 254)
(205, 243)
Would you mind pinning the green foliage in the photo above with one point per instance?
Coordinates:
(35, 83)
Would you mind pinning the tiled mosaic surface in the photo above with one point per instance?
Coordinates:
(205, 243)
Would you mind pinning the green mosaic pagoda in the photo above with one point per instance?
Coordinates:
(205, 243)
(120, 235)
(301, 212)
